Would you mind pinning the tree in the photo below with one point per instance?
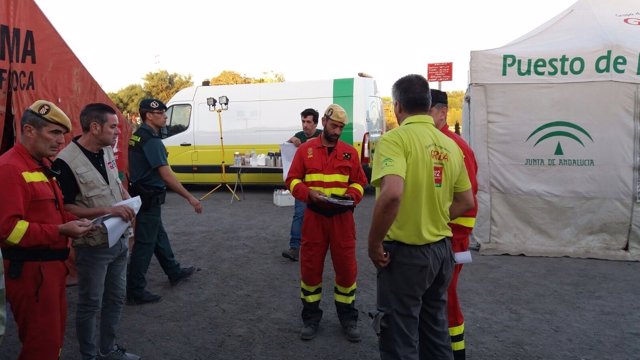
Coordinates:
(455, 99)
(228, 77)
(128, 99)
(270, 77)
(389, 115)
(162, 85)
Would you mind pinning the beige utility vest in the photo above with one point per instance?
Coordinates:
(94, 191)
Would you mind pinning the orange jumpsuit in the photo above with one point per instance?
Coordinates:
(461, 228)
(327, 226)
(34, 253)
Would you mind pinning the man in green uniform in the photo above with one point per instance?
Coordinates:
(150, 176)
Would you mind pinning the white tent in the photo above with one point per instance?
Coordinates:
(554, 120)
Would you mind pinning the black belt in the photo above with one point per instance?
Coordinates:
(329, 211)
(401, 243)
(18, 256)
(22, 254)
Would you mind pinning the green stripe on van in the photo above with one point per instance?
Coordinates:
(343, 96)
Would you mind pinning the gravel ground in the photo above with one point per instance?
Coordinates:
(244, 302)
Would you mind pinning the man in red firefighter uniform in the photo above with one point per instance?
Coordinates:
(34, 232)
(323, 169)
(461, 227)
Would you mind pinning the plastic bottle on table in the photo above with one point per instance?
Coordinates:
(254, 158)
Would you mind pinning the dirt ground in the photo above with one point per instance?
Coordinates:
(244, 302)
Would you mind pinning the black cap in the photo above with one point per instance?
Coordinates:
(152, 104)
(439, 97)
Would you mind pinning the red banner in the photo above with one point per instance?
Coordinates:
(36, 63)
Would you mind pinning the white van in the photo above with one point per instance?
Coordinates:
(260, 117)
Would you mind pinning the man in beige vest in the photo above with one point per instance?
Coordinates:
(91, 186)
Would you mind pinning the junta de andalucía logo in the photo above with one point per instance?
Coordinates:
(559, 131)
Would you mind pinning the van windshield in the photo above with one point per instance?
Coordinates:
(178, 119)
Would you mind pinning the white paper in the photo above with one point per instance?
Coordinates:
(463, 257)
(115, 225)
(287, 150)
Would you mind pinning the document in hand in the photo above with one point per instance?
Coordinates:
(463, 257)
(115, 225)
(339, 201)
(288, 151)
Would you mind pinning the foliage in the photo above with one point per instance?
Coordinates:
(228, 77)
(162, 85)
(270, 77)
(128, 99)
(389, 115)
(453, 116)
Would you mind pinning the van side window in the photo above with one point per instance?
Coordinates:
(178, 117)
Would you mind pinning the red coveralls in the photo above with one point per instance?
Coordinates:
(30, 213)
(327, 226)
(461, 228)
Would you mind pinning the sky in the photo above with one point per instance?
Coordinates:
(120, 41)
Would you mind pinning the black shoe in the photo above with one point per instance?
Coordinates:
(118, 353)
(146, 298)
(291, 254)
(352, 333)
(309, 331)
(184, 273)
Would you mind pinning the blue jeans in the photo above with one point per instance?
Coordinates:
(101, 291)
(296, 224)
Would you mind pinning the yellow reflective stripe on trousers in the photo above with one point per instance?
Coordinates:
(344, 298)
(469, 222)
(329, 191)
(35, 176)
(326, 177)
(310, 298)
(18, 232)
(357, 187)
(345, 290)
(309, 288)
(309, 293)
(293, 184)
(457, 346)
(345, 295)
(457, 331)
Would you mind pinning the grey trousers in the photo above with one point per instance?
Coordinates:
(101, 289)
(151, 239)
(412, 301)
